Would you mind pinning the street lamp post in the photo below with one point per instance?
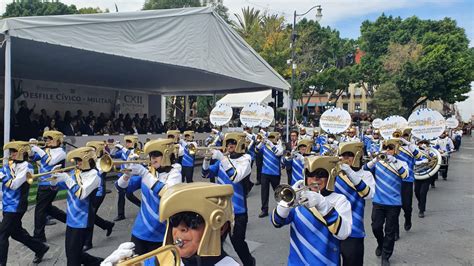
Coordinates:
(294, 36)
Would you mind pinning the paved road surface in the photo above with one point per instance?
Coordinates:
(444, 237)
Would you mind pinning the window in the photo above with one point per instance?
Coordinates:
(345, 106)
(357, 107)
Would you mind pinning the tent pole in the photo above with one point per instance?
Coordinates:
(8, 92)
(287, 118)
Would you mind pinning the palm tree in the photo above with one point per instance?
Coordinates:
(249, 22)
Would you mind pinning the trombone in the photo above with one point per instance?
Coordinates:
(31, 177)
(107, 164)
(194, 150)
(287, 196)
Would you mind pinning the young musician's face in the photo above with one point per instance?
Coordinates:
(351, 134)
(347, 158)
(322, 182)
(78, 163)
(13, 153)
(389, 150)
(294, 136)
(190, 237)
(128, 144)
(49, 142)
(156, 161)
(230, 148)
(302, 149)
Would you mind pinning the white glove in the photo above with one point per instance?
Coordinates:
(206, 163)
(269, 143)
(33, 140)
(353, 175)
(391, 158)
(125, 250)
(404, 141)
(299, 157)
(58, 178)
(346, 168)
(133, 157)
(314, 199)
(217, 155)
(215, 131)
(298, 185)
(118, 146)
(36, 149)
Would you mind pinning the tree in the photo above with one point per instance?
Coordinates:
(220, 9)
(387, 100)
(425, 59)
(166, 4)
(249, 26)
(26, 8)
(92, 10)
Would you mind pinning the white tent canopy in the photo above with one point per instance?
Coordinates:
(173, 51)
(239, 100)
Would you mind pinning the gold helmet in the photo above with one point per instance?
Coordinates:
(166, 146)
(211, 201)
(238, 137)
(407, 132)
(98, 145)
(274, 137)
(133, 139)
(395, 142)
(352, 130)
(22, 147)
(306, 142)
(357, 148)
(397, 133)
(328, 163)
(188, 135)
(55, 135)
(173, 134)
(86, 154)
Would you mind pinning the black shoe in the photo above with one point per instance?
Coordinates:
(421, 215)
(109, 229)
(86, 247)
(397, 236)
(378, 252)
(385, 262)
(39, 256)
(50, 222)
(407, 226)
(258, 184)
(263, 214)
(119, 218)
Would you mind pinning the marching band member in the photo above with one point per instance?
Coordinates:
(374, 145)
(422, 186)
(15, 201)
(303, 134)
(296, 159)
(366, 139)
(351, 135)
(81, 184)
(232, 169)
(319, 220)
(259, 156)
(387, 200)
(250, 140)
(148, 232)
(330, 147)
(272, 151)
(457, 137)
(408, 153)
(290, 147)
(189, 156)
(99, 147)
(215, 140)
(357, 185)
(52, 156)
(126, 153)
(445, 146)
(191, 228)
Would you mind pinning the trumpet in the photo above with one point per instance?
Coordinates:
(287, 196)
(31, 177)
(107, 164)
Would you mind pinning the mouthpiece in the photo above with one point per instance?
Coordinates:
(179, 242)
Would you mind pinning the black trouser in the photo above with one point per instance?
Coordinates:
(11, 226)
(274, 180)
(99, 221)
(407, 200)
(421, 191)
(187, 174)
(237, 238)
(259, 163)
(352, 251)
(444, 171)
(44, 199)
(289, 172)
(75, 238)
(143, 246)
(213, 177)
(121, 201)
(388, 215)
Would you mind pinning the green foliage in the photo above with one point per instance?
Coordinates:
(23, 8)
(204, 105)
(387, 100)
(166, 4)
(425, 59)
(92, 10)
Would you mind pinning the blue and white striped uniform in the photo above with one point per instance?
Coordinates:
(14, 186)
(271, 161)
(373, 148)
(315, 239)
(356, 194)
(188, 159)
(388, 181)
(124, 154)
(251, 149)
(80, 213)
(297, 173)
(409, 158)
(326, 149)
(47, 158)
(231, 172)
(147, 225)
(366, 139)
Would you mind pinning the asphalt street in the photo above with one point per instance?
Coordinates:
(444, 237)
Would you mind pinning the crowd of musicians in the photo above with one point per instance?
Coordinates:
(329, 179)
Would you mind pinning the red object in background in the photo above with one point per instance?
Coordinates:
(358, 56)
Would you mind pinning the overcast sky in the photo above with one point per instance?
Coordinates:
(344, 15)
